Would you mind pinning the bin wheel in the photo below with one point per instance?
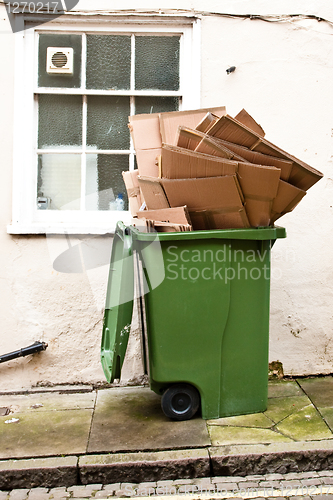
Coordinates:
(180, 401)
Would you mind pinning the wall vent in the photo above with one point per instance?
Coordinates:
(60, 60)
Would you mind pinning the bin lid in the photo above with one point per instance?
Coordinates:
(260, 233)
(119, 304)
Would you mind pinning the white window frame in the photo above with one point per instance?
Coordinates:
(26, 219)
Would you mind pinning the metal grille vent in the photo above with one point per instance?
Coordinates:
(60, 60)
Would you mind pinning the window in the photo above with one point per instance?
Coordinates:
(79, 88)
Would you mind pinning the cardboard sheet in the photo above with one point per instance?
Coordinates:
(147, 161)
(259, 186)
(180, 163)
(166, 227)
(169, 122)
(177, 215)
(204, 143)
(145, 131)
(259, 158)
(213, 202)
(286, 200)
(133, 191)
(247, 120)
(208, 120)
(228, 129)
(153, 193)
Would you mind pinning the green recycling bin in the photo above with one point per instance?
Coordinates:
(206, 302)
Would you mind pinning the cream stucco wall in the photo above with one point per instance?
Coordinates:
(283, 78)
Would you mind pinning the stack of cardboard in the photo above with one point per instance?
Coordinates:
(203, 169)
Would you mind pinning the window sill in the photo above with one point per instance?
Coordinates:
(66, 228)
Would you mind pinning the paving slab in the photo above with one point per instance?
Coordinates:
(280, 388)
(279, 408)
(252, 420)
(305, 425)
(327, 414)
(48, 433)
(48, 401)
(131, 419)
(222, 435)
(46, 472)
(138, 467)
(319, 390)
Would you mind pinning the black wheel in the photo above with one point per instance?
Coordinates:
(180, 401)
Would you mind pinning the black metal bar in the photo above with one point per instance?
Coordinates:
(25, 351)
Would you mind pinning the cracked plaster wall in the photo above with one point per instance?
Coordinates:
(283, 78)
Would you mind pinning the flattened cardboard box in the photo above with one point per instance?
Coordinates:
(180, 163)
(302, 175)
(169, 122)
(287, 198)
(147, 160)
(177, 215)
(133, 191)
(258, 158)
(259, 186)
(147, 138)
(213, 202)
(153, 193)
(149, 130)
(203, 143)
(166, 227)
(247, 120)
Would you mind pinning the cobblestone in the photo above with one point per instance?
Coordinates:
(312, 482)
(326, 479)
(19, 494)
(302, 482)
(269, 484)
(38, 494)
(273, 477)
(59, 493)
(83, 491)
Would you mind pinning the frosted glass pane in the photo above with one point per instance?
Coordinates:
(108, 62)
(108, 122)
(105, 188)
(59, 181)
(157, 62)
(58, 80)
(59, 120)
(156, 104)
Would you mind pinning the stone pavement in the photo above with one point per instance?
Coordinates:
(99, 440)
(292, 486)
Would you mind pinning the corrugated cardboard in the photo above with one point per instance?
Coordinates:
(203, 143)
(147, 160)
(247, 120)
(206, 122)
(180, 163)
(169, 122)
(177, 215)
(259, 186)
(259, 158)
(188, 138)
(287, 198)
(228, 129)
(212, 146)
(153, 193)
(166, 227)
(145, 131)
(133, 191)
(213, 202)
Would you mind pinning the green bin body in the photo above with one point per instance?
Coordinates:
(207, 314)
